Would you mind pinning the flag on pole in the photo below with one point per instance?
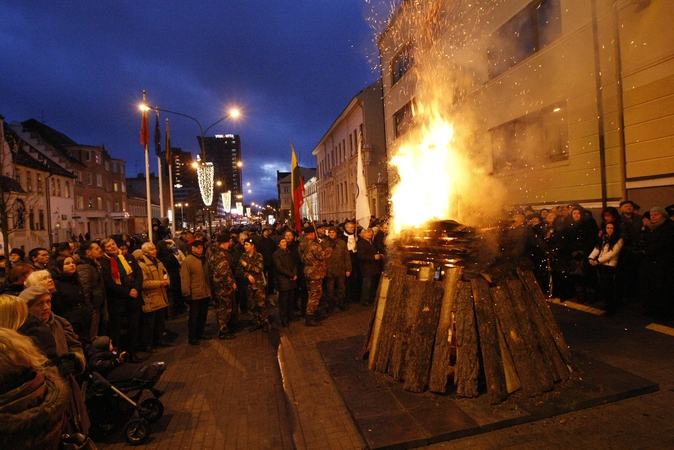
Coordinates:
(144, 127)
(157, 135)
(297, 189)
(168, 144)
(362, 202)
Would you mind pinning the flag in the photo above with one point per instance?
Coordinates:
(157, 136)
(168, 144)
(144, 128)
(297, 189)
(362, 202)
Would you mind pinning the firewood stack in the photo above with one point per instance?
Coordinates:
(475, 323)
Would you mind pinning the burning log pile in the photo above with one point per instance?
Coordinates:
(443, 312)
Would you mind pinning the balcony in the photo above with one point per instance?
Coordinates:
(121, 215)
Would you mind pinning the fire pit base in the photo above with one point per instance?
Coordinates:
(389, 417)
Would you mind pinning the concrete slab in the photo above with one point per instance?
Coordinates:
(389, 417)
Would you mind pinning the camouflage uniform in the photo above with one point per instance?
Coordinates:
(255, 292)
(222, 281)
(315, 259)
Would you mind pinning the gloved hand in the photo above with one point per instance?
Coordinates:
(594, 262)
(66, 367)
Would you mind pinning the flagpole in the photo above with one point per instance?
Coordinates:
(145, 138)
(170, 176)
(161, 187)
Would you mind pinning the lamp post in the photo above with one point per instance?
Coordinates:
(204, 168)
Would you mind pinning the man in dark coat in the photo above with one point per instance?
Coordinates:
(286, 275)
(91, 278)
(657, 264)
(370, 268)
(123, 281)
(353, 281)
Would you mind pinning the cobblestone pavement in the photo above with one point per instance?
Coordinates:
(231, 394)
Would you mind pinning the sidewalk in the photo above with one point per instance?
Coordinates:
(273, 391)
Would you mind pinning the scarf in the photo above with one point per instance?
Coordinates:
(114, 267)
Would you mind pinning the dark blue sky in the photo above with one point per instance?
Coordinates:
(290, 66)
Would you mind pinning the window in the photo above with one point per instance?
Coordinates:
(79, 176)
(53, 187)
(17, 176)
(107, 165)
(40, 219)
(532, 139)
(123, 187)
(114, 167)
(123, 205)
(115, 186)
(29, 182)
(99, 202)
(19, 214)
(121, 169)
(89, 179)
(31, 219)
(80, 202)
(402, 62)
(90, 204)
(527, 32)
(99, 180)
(403, 119)
(38, 181)
(109, 205)
(67, 189)
(87, 155)
(116, 205)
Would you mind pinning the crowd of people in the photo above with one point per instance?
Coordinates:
(621, 258)
(80, 297)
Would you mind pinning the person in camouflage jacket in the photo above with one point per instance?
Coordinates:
(338, 268)
(251, 267)
(315, 259)
(223, 285)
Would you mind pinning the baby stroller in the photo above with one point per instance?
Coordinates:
(114, 400)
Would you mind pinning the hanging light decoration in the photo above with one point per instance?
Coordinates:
(205, 173)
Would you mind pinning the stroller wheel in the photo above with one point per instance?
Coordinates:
(137, 431)
(152, 409)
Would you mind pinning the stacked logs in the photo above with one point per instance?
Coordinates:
(425, 332)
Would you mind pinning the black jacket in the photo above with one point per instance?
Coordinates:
(285, 269)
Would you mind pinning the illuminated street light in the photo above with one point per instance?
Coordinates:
(205, 169)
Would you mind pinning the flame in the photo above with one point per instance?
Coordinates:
(430, 171)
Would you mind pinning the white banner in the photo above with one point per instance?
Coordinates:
(227, 201)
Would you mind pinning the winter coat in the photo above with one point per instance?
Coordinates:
(607, 256)
(8, 288)
(32, 410)
(55, 338)
(254, 267)
(266, 247)
(285, 270)
(155, 296)
(91, 279)
(69, 302)
(339, 261)
(194, 278)
(314, 258)
(369, 265)
(118, 294)
(170, 261)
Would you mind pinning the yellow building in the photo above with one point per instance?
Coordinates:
(552, 101)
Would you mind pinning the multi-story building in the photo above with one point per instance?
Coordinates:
(137, 204)
(43, 167)
(337, 152)
(555, 100)
(138, 184)
(285, 196)
(100, 192)
(224, 151)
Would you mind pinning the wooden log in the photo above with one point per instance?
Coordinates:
(375, 327)
(443, 337)
(422, 338)
(489, 341)
(395, 301)
(545, 373)
(531, 285)
(414, 292)
(512, 380)
(467, 361)
(545, 340)
(520, 349)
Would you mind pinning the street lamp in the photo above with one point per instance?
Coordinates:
(204, 169)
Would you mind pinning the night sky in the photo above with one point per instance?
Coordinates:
(291, 67)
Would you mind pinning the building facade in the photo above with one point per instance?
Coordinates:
(555, 100)
(224, 151)
(337, 152)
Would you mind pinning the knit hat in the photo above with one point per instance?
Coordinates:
(100, 343)
(31, 294)
(223, 237)
(309, 229)
(661, 210)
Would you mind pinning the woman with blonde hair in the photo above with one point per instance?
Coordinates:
(33, 398)
(13, 312)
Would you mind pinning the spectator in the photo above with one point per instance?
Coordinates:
(39, 257)
(251, 267)
(370, 268)
(605, 256)
(196, 288)
(155, 298)
(314, 259)
(337, 270)
(657, 263)
(286, 275)
(68, 299)
(14, 283)
(223, 286)
(13, 312)
(91, 279)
